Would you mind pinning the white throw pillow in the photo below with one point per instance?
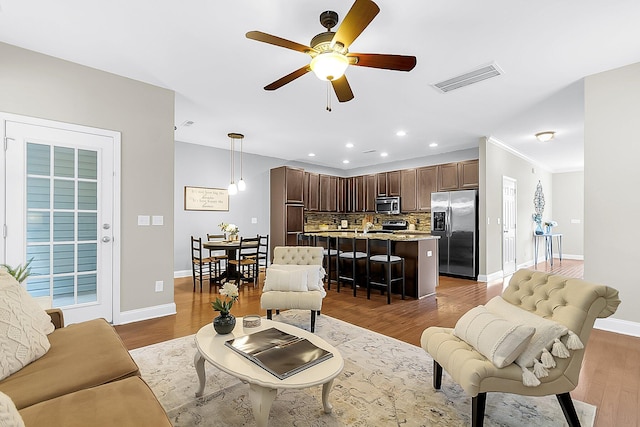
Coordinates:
(497, 339)
(9, 415)
(547, 331)
(293, 277)
(24, 326)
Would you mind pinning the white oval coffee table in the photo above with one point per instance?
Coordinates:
(263, 386)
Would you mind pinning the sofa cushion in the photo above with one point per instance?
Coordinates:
(497, 339)
(9, 415)
(126, 403)
(82, 355)
(24, 326)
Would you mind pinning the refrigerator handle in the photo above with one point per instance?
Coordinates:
(448, 228)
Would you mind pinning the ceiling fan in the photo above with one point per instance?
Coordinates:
(329, 50)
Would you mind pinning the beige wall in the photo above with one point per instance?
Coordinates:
(612, 176)
(497, 162)
(37, 85)
(568, 205)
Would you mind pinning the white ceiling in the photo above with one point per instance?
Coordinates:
(198, 49)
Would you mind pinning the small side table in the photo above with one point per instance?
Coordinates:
(548, 247)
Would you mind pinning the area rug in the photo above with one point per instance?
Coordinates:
(385, 382)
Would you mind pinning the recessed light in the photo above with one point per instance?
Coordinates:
(349, 145)
(384, 154)
(401, 133)
(345, 161)
(433, 144)
(311, 154)
(545, 136)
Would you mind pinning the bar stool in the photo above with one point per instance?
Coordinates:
(330, 252)
(352, 255)
(387, 261)
(305, 239)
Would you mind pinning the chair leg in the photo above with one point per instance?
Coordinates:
(269, 314)
(313, 320)
(193, 270)
(437, 375)
(568, 409)
(477, 408)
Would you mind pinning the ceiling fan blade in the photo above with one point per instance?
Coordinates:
(359, 16)
(379, 60)
(278, 41)
(342, 89)
(288, 78)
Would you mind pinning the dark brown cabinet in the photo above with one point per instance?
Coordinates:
(328, 193)
(311, 191)
(469, 174)
(294, 220)
(393, 183)
(381, 184)
(458, 176)
(448, 177)
(359, 194)
(427, 183)
(286, 207)
(408, 200)
(370, 193)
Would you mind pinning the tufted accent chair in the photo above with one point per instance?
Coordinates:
(310, 300)
(573, 303)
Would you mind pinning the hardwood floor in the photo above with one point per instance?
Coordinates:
(610, 376)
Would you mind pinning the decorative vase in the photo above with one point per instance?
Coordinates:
(548, 229)
(539, 229)
(224, 323)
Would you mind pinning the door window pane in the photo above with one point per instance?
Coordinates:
(38, 193)
(63, 162)
(87, 164)
(63, 259)
(38, 287)
(87, 288)
(38, 159)
(87, 257)
(63, 291)
(38, 226)
(63, 194)
(87, 226)
(41, 264)
(63, 226)
(87, 195)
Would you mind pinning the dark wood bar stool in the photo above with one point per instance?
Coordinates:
(349, 255)
(330, 251)
(305, 239)
(387, 261)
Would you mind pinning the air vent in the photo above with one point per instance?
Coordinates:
(475, 76)
(368, 151)
(187, 123)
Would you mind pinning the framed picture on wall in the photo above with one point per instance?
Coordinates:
(206, 199)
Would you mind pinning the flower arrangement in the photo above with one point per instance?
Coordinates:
(230, 292)
(232, 229)
(551, 223)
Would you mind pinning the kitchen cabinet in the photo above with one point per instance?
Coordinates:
(370, 193)
(469, 174)
(294, 220)
(328, 193)
(289, 182)
(286, 207)
(359, 193)
(311, 191)
(458, 176)
(408, 200)
(381, 184)
(393, 183)
(427, 178)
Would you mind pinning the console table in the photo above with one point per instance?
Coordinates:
(548, 246)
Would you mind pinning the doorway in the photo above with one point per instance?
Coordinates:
(60, 213)
(509, 215)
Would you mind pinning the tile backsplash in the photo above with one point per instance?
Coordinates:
(313, 220)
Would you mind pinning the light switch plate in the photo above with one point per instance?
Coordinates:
(143, 220)
(159, 285)
(254, 220)
(157, 220)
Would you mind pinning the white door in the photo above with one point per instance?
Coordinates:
(59, 213)
(509, 214)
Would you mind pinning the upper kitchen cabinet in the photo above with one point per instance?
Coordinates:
(381, 184)
(311, 191)
(393, 183)
(328, 193)
(408, 200)
(359, 194)
(458, 176)
(370, 193)
(287, 184)
(427, 183)
(469, 174)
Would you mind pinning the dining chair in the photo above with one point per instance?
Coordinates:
(218, 255)
(202, 265)
(330, 252)
(349, 257)
(246, 262)
(380, 254)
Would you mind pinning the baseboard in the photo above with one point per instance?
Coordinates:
(490, 277)
(182, 273)
(624, 327)
(145, 313)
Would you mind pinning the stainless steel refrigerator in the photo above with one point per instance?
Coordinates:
(454, 217)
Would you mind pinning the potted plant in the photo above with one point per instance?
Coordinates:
(21, 272)
(225, 322)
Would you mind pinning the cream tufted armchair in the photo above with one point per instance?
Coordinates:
(573, 303)
(283, 299)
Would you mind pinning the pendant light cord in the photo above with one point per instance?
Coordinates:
(328, 96)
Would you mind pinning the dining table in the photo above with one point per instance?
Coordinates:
(231, 249)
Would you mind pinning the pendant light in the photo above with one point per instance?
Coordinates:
(241, 184)
(233, 188)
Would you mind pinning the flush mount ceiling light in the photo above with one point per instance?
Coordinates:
(545, 136)
(433, 145)
(311, 154)
(349, 145)
(401, 133)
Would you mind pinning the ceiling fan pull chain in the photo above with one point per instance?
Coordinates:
(328, 96)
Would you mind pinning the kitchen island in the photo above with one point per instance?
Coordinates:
(419, 250)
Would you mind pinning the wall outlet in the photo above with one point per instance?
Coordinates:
(159, 285)
(254, 220)
(429, 253)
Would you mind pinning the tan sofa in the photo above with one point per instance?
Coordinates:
(87, 378)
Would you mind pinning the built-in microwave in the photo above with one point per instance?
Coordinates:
(388, 205)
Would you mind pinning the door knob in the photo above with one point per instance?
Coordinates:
(106, 239)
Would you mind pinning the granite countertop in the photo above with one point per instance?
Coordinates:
(404, 236)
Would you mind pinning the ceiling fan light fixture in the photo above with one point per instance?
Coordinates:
(545, 136)
(329, 66)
